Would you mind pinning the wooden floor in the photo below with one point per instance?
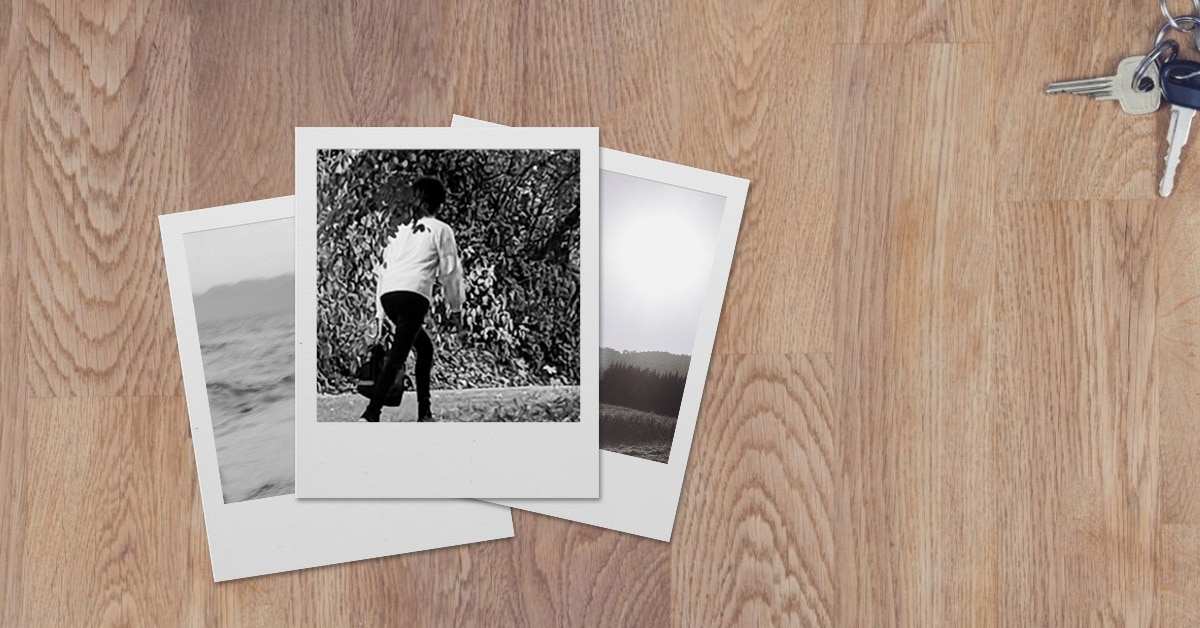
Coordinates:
(958, 370)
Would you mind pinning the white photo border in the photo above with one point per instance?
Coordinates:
(276, 534)
(641, 496)
(439, 460)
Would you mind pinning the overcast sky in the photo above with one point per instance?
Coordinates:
(254, 251)
(657, 244)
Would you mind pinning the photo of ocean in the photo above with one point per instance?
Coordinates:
(244, 295)
(250, 375)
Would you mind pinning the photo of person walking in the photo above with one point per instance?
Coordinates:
(422, 251)
(465, 260)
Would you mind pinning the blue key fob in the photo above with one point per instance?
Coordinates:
(1180, 81)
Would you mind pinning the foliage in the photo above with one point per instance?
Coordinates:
(636, 433)
(515, 214)
(642, 389)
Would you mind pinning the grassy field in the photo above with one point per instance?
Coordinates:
(525, 405)
(635, 433)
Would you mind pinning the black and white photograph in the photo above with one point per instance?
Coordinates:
(447, 312)
(231, 273)
(448, 285)
(243, 290)
(652, 292)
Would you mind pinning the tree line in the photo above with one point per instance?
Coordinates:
(642, 389)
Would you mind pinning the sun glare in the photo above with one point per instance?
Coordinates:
(660, 257)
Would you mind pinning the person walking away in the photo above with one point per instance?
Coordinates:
(422, 252)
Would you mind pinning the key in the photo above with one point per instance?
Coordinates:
(1180, 82)
(1145, 99)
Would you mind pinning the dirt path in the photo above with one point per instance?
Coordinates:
(526, 404)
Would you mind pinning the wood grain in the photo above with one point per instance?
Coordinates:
(242, 110)
(1179, 361)
(1178, 586)
(916, 522)
(96, 546)
(957, 377)
(916, 21)
(755, 535)
(587, 576)
(780, 289)
(13, 71)
(103, 158)
(1076, 413)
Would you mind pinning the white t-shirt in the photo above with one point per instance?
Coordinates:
(416, 257)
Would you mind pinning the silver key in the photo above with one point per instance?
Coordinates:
(1177, 136)
(1179, 81)
(1119, 87)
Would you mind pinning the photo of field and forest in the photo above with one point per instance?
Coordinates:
(640, 395)
(653, 290)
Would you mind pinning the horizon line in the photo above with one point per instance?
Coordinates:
(685, 355)
(240, 281)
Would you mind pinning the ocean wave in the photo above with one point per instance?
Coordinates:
(256, 452)
(250, 383)
(225, 398)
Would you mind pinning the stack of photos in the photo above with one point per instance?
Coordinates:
(454, 314)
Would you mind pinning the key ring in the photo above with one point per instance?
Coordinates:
(1144, 67)
(1178, 25)
(1180, 21)
(1173, 21)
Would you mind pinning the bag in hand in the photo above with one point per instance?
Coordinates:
(369, 369)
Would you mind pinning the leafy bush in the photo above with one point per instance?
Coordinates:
(515, 214)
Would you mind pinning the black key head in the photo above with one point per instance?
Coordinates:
(1180, 82)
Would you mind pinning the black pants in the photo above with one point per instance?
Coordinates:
(407, 312)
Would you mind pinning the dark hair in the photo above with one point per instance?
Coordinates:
(431, 191)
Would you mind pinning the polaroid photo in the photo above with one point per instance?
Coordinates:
(660, 301)
(231, 274)
(447, 308)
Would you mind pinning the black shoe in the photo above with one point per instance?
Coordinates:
(425, 417)
(370, 417)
